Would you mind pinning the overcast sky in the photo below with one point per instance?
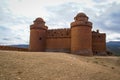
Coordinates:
(17, 15)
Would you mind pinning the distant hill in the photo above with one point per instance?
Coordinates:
(21, 45)
(12, 48)
(114, 46)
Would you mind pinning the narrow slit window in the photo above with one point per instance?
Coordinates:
(40, 38)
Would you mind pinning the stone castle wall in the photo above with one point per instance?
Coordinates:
(38, 35)
(81, 36)
(59, 33)
(58, 40)
(98, 42)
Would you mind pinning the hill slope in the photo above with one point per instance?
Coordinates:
(114, 46)
(16, 65)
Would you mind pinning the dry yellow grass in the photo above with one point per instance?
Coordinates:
(15, 65)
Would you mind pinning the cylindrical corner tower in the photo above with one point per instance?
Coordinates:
(81, 35)
(38, 33)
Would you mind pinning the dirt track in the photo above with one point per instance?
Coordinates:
(15, 65)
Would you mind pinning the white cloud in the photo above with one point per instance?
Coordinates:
(27, 8)
(115, 36)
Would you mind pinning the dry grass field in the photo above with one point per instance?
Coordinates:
(16, 65)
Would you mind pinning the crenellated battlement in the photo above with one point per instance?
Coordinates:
(59, 33)
(98, 36)
(81, 20)
(39, 23)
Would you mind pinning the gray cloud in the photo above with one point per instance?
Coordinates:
(12, 26)
(109, 19)
(62, 15)
(9, 18)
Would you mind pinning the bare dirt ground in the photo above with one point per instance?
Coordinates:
(16, 65)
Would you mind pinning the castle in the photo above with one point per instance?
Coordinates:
(78, 39)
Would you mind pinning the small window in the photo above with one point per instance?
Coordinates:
(99, 36)
(40, 38)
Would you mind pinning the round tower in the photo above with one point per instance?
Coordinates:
(38, 36)
(81, 35)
